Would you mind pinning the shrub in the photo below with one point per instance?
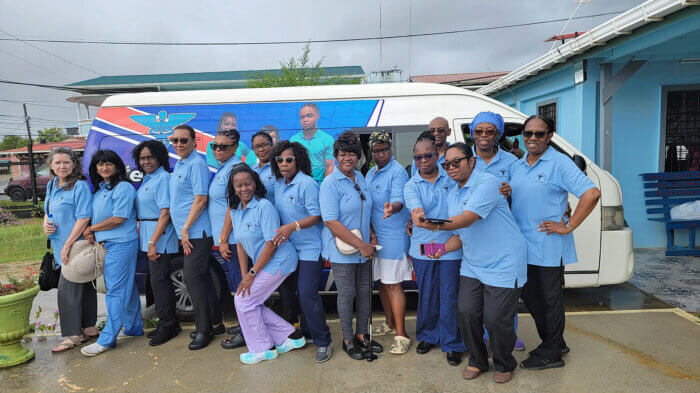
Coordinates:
(7, 218)
(16, 285)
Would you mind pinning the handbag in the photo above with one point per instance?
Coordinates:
(48, 274)
(345, 248)
(86, 262)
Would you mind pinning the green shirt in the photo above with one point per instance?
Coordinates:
(320, 148)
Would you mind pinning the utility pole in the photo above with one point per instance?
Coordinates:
(32, 173)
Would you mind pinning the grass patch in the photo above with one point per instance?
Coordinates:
(7, 203)
(24, 242)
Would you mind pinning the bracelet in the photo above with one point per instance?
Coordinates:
(185, 227)
(221, 241)
(437, 228)
(151, 242)
(298, 228)
(568, 225)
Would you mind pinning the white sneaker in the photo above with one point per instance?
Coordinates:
(93, 349)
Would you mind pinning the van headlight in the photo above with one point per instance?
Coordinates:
(613, 218)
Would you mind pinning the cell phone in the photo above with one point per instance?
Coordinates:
(432, 248)
(435, 220)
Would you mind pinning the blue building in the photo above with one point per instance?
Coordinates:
(627, 94)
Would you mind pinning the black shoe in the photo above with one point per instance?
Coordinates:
(423, 347)
(565, 350)
(221, 329)
(353, 349)
(154, 332)
(454, 358)
(163, 335)
(200, 341)
(536, 362)
(235, 341)
(233, 330)
(376, 347)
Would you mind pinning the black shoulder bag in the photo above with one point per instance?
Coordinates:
(48, 276)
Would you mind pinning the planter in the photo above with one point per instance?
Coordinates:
(14, 324)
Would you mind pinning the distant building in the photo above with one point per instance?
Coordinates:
(19, 158)
(470, 80)
(627, 94)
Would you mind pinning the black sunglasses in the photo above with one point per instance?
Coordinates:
(427, 156)
(537, 134)
(175, 141)
(283, 159)
(454, 163)
(221, 146)
(358, 189)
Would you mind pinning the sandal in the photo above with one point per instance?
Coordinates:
(400, 345)
(90, 332)
(69, 343)
(383, 330)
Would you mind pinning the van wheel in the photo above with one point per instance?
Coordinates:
(183, 304)
(17, 194)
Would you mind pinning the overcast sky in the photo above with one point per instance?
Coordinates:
(264, 20)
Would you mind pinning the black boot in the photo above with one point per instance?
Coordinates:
(200, 341)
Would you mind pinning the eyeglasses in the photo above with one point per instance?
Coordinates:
(381, 151)
(454, 163)
(438, 130)
(221, 146)
(427, 156)
(489, 132)
(358, 189)
(280, 160)
(537, 134)
(261, 146)
(176, 141)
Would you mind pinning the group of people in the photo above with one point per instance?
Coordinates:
(479, 227)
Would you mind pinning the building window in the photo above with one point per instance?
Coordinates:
(682, 131)
(548, 109)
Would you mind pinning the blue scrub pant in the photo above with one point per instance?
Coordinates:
(313, 318)
(123, 303)
(438, 289)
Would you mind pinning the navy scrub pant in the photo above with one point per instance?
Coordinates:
(438, 283)
(313, 317)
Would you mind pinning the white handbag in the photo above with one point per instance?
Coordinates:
(345, 248)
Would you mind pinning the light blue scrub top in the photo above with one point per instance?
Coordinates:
(294, 202)
(254, 226)
(386, 185)
(217, 202)
(117, 202)
(493, 249)
(340, 201)
(499, 166)
(320, 148)
(539, 194)
(190, 178)
(268, 180)
(66, 207)
(432, 197)
(151, 197)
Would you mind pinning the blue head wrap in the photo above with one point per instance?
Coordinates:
(487, 117)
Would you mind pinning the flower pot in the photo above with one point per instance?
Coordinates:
(14, 324)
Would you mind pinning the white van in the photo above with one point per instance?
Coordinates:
(603, 241)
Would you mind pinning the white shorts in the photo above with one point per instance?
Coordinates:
(392, 271)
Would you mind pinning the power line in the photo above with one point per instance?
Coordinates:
(35, 103)
(35, 65)
(161, 43)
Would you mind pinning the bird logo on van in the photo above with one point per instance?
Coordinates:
(161, 125)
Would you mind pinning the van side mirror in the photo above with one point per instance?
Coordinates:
(580, 163)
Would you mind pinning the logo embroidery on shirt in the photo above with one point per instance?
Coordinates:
(503, 172)
(447, 188)
(249, 227)
(541, 177)
(180, 176)
(291, 198)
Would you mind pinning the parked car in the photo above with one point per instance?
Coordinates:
(19, 190)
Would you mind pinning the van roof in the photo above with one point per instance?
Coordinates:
(283, 94)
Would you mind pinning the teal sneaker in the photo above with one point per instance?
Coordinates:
(290, 344)
(252, 358)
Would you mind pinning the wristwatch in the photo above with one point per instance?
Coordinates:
(437, 228)
(252, 272)
(186, 227)
(298, 228)
(221, 241)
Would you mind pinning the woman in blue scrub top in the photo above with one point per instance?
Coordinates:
(114, 225)
(157, 236)
(438, 281)
(189, 189)
(386, 181)
(296, 200)
(69, 202)
(541, 182)
(346, 205)
(493, 264)
(255, 223)
(486, 130)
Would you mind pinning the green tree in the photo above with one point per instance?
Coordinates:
(53, 134)
(297, 72)
(12, 142)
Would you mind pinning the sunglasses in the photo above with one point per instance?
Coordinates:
(485, 132)
(537, 134)
(454, 163)
(381, 151)
(358, 189)
(221, 146)
(438, 130)
(427, 156)
(176, 141)
(280, 160)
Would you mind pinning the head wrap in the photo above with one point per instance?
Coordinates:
(487, 117)
(378, 137)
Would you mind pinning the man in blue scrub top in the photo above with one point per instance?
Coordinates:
(541, 182)
(440, 128)
(492, 271)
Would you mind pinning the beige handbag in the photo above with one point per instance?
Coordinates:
(345, 248)
(86, 262)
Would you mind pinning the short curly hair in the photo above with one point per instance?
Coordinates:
(347, 141)
(301, 157)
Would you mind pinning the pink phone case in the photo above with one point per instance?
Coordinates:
(432, 248)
